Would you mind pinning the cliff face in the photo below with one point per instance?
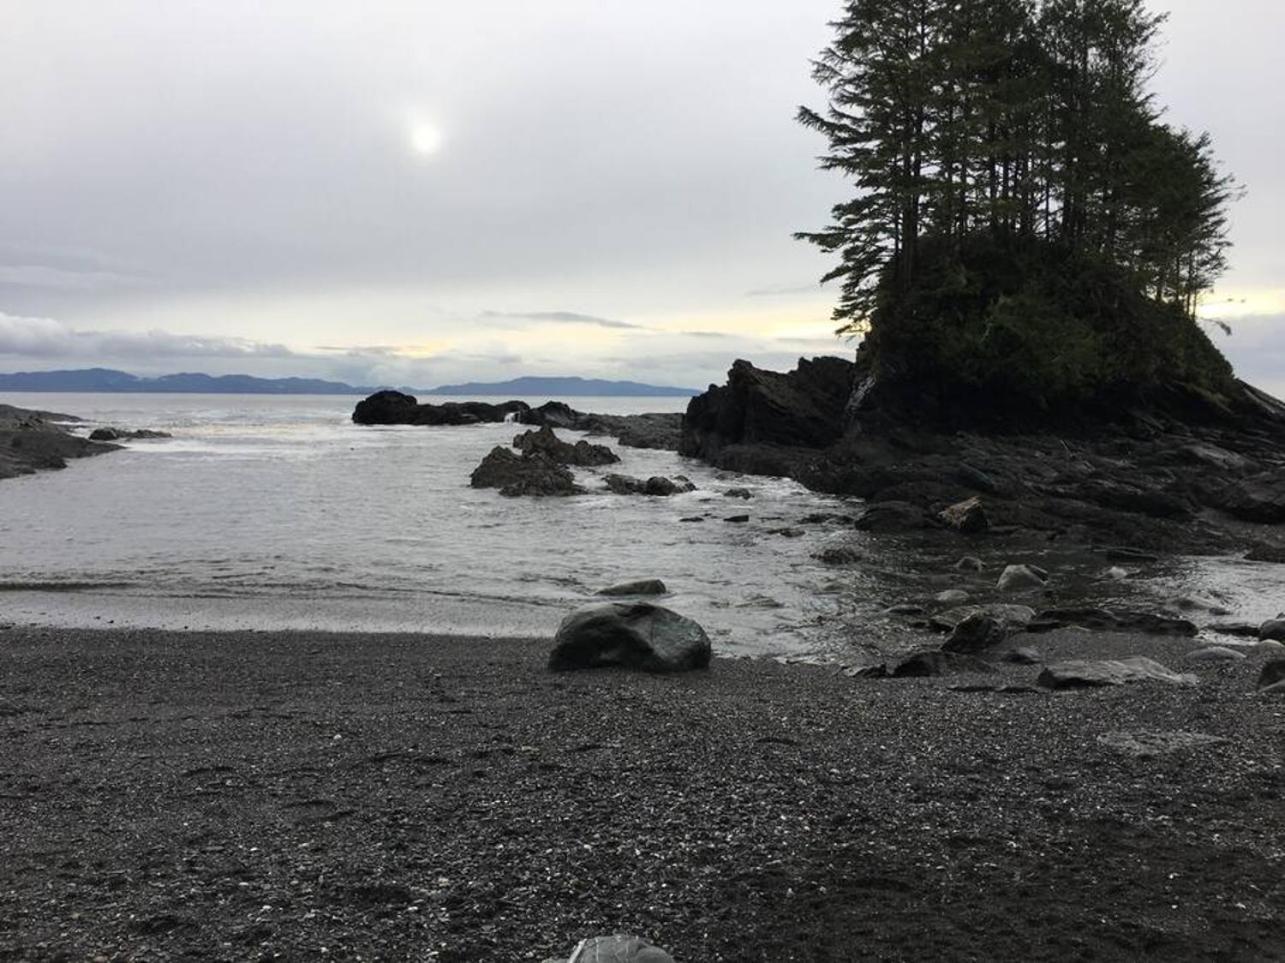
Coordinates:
(801, 409)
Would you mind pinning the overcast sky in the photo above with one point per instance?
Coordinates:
(434, 191)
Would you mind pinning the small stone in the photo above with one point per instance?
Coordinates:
(618, 949)
(738, 493)
(1116, 574)
(1022, 655)
(951, 597)
(648, 586)
(976, 633)
(1215, 653)
(967, 517)
(969, 564)
(1019, 577)
(737, 519)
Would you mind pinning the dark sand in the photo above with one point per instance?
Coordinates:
(305, 797)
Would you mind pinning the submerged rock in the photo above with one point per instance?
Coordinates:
(1083, 673)
(1117, 620)
(544, 442)
(634, 636)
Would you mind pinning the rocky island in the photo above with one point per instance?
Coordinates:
(32, 441)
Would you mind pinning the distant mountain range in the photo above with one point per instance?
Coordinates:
(520, 387)
(108, 380)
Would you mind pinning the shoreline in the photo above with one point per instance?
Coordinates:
(240, 795)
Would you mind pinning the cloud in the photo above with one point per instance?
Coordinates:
(48, 339)
(44, 276)
(559, 317)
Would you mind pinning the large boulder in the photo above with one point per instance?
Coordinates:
(527, 474)
(397, 408)
(544, 442)
(633, 636)
(1084, 674)
(801, 409)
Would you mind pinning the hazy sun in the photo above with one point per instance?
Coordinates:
(425, 139)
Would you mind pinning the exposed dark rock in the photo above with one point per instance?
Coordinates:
(1022, 655)
(637, 636)
(1257, 499)
(649, 586)
(737, 519)
(977, 633)
(1267, 553)
(1081, 674)
(1273, 674)
(891, 517)
(124, 434)
(544, 442)
(1114, 620)
(30, 441)
(1014, 618)
(967, 517)
(397, 408)
(1272, 630)
(1243, 630)
(738, 493)
(529, 474)
(802, 409)
(838, 555)
(658, 430)
(933, 663)
(656, 486)
(969, 564)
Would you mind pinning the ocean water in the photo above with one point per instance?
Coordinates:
(267, 512)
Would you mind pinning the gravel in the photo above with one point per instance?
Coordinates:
(252, 796)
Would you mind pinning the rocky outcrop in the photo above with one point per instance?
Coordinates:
(1117, 620)
(1173, 472)
(397, 408)
(637, 636)
(656, 486)
(31, 441)
(582, 454)
(528, 474)
(658, 430)
(799, 410)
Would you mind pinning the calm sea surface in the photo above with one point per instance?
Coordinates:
(278, 512)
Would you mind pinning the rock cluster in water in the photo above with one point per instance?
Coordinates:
(32, 441)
